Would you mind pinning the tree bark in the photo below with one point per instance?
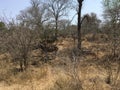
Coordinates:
(21, 66)
(25, 64)
(79, 24)
(56, 28)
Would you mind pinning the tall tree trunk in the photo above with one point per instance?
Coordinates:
(25, 63)
(21, 65)
(56, 28)
(79, 24)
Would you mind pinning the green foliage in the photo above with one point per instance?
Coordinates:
(2, 25)
(111, 9)
(111, 3)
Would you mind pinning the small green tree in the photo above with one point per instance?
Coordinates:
(2, 26)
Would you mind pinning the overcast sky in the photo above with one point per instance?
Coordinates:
(11, 8)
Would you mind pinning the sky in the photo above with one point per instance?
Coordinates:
(92, 6)
(11, 8)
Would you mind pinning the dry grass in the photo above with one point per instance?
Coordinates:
(60, 73)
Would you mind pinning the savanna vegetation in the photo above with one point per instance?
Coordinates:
(42, 50)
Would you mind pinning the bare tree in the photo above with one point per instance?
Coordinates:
(35, 15)
(91, 25)
(57, 9)
(79, 22)
(19, 45)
